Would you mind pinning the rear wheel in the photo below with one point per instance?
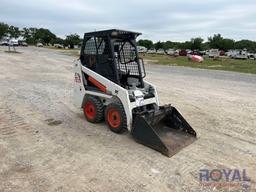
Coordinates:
(93, 109)
(115, 117)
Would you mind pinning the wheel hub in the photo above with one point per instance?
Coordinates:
(114, 118)
(89, 110)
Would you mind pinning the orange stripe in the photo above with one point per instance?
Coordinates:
(97, 84)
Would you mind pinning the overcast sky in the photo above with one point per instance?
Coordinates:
(157, 20)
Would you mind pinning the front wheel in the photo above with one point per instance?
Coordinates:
(115, 117)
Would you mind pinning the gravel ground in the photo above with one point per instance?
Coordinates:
(46, 144)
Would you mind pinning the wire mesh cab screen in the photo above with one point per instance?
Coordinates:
(127, 58)
(114, 57)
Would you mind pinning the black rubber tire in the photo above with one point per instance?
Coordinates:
(99, 108)
(118, 107)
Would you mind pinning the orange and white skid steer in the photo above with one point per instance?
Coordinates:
(110, 85)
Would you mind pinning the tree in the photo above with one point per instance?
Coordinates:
(3, 30)
(72, 39)
(159, 45)
(13, 32)
(205, 46)
(44, 35)
(185, 45)
(25, 33)
(227, 44)
(196, 43)
(170, 44)
(34, 35)
(215, 41)
(249, 45)
(146, 43)
(58, 40)
(218, 42)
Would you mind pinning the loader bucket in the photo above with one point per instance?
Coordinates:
(164, 130)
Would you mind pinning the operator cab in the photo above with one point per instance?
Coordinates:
(113, 54)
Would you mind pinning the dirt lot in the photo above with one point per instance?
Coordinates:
(46, 144)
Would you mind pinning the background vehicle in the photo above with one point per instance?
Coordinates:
(142, 49)
(196, 58)
(13, 42)
(151, 51)
(251, 56)
(59, 46)
(160, 51)
(222, 53)
(239, 54)
(195, 52)
(214, 53)
(229, 53)
(39, 45)
(188, 51)
(170, 51)
(110, 85)
(23, 43)
(183, 52)
(4, 43)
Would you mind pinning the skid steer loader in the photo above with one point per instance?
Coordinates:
(110, 85)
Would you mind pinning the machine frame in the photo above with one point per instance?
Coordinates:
(109, 83)
(109, 91)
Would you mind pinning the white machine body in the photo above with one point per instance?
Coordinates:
(114, 92)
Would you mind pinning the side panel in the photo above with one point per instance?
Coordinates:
(79, 90)
(114, 90)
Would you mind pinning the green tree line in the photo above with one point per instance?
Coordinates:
(214, 42)
(45, 36)
(38, 35)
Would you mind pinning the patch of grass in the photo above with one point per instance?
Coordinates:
(224, 63)
(71, 52)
